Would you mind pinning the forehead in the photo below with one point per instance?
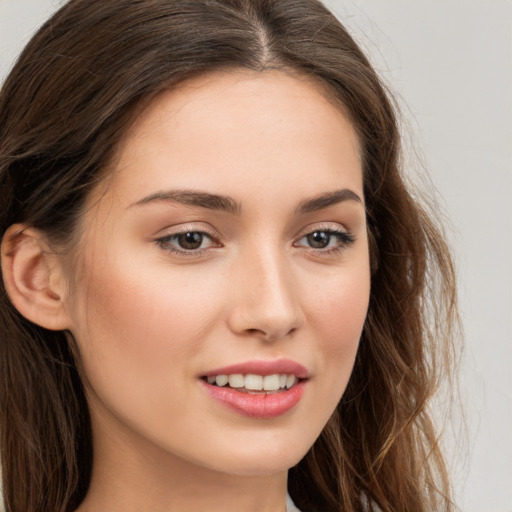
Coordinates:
(223, 128)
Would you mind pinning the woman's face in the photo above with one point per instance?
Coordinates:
(229, 240)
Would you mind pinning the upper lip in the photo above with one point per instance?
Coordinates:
(262, 367)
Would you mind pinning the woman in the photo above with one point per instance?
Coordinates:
(217, 286)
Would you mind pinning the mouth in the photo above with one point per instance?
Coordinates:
(258, 389)
(253, 383)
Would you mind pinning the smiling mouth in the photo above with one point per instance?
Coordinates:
(255, 384)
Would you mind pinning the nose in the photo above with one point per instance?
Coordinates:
(265, 298)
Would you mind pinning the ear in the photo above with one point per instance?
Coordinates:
(33, 277)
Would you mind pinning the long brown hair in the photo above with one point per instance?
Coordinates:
(63, 109)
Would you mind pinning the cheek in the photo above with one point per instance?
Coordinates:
(133, 303)
(343, 320)
(140, 331)
(337, 315)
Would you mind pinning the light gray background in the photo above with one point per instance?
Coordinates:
(450, 64)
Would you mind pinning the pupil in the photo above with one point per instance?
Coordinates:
(191, 240)
(319, 239)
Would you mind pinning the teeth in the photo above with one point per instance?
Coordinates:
(271, 382)
(254, 382)
(290, 381)
(236, 381)
(221, 380)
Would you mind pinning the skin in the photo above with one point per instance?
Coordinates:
(149, 321)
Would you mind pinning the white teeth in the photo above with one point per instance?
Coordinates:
(236, 381)
(271, 382)
(252, 382)
(290, 381)
(221, 380)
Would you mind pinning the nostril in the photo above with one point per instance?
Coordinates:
(269, 334)
(268, 321)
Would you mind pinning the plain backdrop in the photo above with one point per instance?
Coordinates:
(449, 63)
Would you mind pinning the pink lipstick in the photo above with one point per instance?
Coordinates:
(258, 389)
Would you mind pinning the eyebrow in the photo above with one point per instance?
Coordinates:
(192, 198)
(328, 199)
(229, 205)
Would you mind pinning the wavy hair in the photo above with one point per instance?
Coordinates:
(64, 108)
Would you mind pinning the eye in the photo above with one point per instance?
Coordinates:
(326, 240)
(186, 242)
(319, 239)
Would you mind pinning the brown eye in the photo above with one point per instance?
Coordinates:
(190, 241)
(319, 239)
(327, 241)
(187, 243)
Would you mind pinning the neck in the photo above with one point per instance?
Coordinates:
(133, 475)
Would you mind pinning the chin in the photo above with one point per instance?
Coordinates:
(264, 458)
(260, 466)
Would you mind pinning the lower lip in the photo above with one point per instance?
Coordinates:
(257, 405)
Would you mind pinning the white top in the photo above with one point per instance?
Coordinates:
(290, 506)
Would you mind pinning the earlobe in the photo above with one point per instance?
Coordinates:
(33, 277)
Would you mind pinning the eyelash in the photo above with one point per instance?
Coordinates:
(165, 242)
(345, 240)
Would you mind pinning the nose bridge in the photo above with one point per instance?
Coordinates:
(266, 299)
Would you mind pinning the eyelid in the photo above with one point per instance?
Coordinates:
(163, 236)
(322, 226)
(345, 238)
(187, 227)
